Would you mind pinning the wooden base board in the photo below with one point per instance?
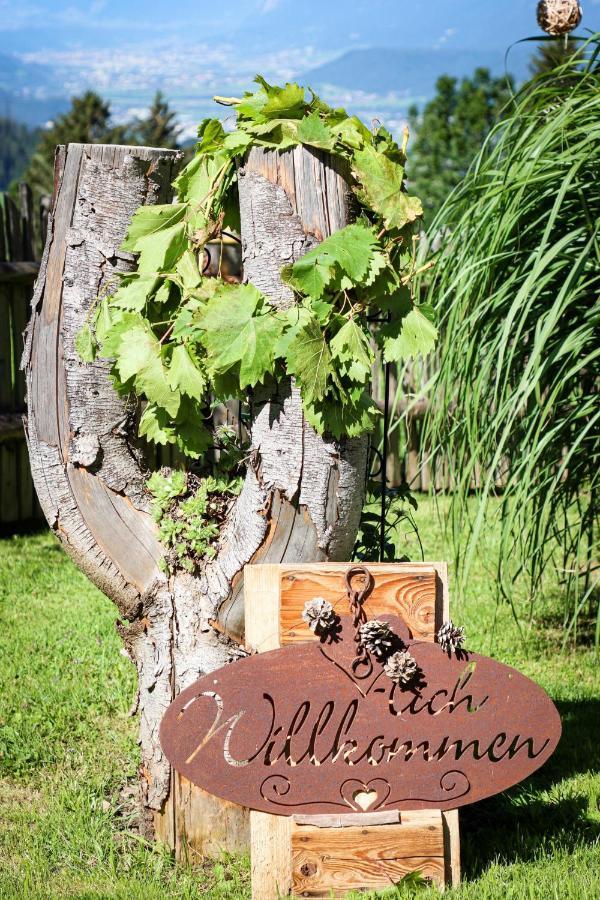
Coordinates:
(310, 857)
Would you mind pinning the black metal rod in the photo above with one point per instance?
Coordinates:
(386, 422)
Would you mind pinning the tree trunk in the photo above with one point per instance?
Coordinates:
(302, 494)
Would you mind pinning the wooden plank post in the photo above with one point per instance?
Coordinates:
(324, 856)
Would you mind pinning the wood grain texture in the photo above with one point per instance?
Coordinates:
(405, 589)
(368, 856)
(271, 857)
(262, 607)
(451, 846)
(205, 825)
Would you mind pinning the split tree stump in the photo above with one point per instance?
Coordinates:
(303, 493)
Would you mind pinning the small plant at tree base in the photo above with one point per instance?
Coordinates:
(178, 337)
(190, 512)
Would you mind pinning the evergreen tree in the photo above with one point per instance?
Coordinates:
(17, 143)
(87, 122)
(553, 53)
(160, 128)
(450, 131)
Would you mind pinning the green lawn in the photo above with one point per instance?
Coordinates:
(68, 749)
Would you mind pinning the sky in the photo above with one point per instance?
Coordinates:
(191, 49)
(331, 24)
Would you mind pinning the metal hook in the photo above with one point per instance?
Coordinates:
(356, 598)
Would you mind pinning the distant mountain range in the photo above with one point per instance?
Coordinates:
(413, 72)
(372, 82)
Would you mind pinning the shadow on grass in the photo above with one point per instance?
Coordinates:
(540, 814)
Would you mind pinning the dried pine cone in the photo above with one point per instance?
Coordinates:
(450, 638)
(319, 615)
(558, 16)
(401, 667)
(377, 637)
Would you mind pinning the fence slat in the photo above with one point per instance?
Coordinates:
(9, 485)
(18, 270)
(14, 237)
(27, 226)
(6, 387)
(19, 301)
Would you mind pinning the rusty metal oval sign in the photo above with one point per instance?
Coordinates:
(297, 730)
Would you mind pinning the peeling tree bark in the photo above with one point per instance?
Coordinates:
(302, 495)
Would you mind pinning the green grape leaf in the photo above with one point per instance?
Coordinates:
(211, 135)
(283, 102)
(351, 248)
(352, 350)
(417, 337)
(309, 275)
(188, 271)
(161, 250)
(236, 142)
(352, 132)
(354, 417)
(184, 374)
(85, 344)
(225, 314)
(292, 321)
(139, 357)
(258, 352)
(322, 309)
(236, 333)
(379, 263)
(134, 292)
(196, 182)
(163, 294)
(102, 321)
(262, 129)
(313, 131)
(121, 322)
(281, 135)
(149, 220)
(156, 426)
(191, 436)
(186, 431)
(380, 188)
(309, 359)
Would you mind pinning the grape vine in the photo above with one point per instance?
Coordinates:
(180, 340)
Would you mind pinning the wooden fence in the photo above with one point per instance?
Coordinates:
(20, 237)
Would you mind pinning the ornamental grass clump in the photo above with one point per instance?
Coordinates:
(514, 406)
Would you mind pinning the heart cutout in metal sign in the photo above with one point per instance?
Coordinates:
(295, 731)
(366, 797)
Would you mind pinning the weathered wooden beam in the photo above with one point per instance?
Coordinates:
(19, 272)
(11, 427)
